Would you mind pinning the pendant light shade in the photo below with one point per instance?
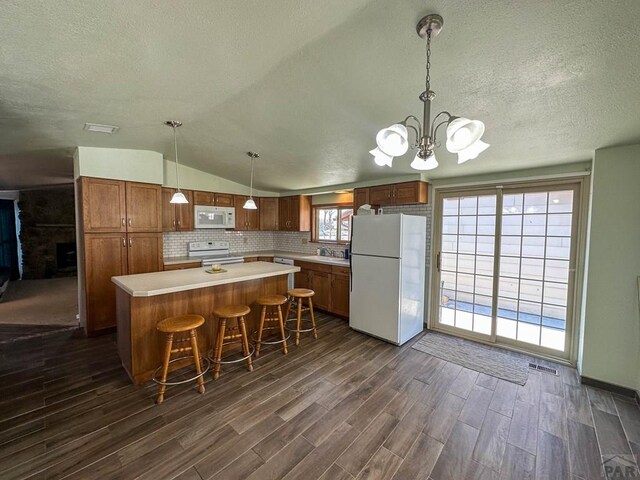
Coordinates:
(428, 163)
(381, 158)
(394, 140)
(177, 197)
(463, 133)
(250, 204)
(472, 152)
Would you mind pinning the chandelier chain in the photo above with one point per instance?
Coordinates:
(428, 78)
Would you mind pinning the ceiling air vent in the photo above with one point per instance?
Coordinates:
(96, 127)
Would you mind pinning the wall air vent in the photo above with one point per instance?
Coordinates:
(96, 127)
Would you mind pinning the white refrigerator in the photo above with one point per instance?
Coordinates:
(388, 276)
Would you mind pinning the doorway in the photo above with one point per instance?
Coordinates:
(505, 270)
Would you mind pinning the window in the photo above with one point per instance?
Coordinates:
(332, 223)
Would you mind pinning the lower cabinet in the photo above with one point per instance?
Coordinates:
(330, 284)
(109, 255)
(182, 266)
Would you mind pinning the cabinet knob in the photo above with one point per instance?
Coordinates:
(123, 221)
(130, 242)
(178, 222)
(129, 222)
(123, 240)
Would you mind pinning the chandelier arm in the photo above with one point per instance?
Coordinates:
(434, 127)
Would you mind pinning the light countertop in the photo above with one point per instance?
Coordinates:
(304, 257)
(160, 283)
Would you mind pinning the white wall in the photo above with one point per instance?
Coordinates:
(118, 164)
(611, 320)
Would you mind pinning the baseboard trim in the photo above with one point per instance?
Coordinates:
(624, 391)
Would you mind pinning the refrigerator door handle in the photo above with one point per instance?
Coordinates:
(438, 262)
(351, 256)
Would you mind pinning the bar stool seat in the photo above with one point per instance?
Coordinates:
(226, 336)
(173, 327)
(299, 295)
(273, 320)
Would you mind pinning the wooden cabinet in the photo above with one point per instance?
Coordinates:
(294, 213)
(144, 253)
(398, 194)
(245, 219)
(360, 197)
(144, 211)
(103, 205)
(250, 259)
(265, 259)
(177, 217)
(121, 226)
(182, 266)
(340, 291)
(330, 284)
(105, 257)
(268, 213)
(224, 200)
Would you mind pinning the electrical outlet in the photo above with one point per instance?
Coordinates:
(245, 240)
(305, 241)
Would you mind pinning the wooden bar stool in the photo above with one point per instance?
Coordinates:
(273, 320)
(227, 335)
(299, 294)
(175, 329)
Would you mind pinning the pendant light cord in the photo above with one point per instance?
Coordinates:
(251, 183)
(175, 147)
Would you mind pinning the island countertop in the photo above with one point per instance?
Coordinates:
(161, 283)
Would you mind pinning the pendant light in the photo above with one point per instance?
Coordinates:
(178, 197)
(463, 135)
(250, 204)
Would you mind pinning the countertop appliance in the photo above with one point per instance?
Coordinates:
(388, 276)
(212, 253)
(286, 261)
(206, 216)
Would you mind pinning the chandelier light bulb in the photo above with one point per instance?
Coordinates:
(381, 158)
(393, 141)
(422, 164)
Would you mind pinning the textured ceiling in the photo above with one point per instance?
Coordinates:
(308, 84)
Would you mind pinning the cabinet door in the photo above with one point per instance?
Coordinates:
(241, 213)
(284, 204)
(103, 205)
(224, 200)
(250, 259)
(204, 198)
(294, 214)
(144, 207)
(253, 216)
(184, 213)
(144, 253)
(410, 192)
(301, 279)
(321, 284)
(381, 195)
(105, 256)
(268, 213)
(340, 295)
(265, 259)
(360, 197)
(168, 211)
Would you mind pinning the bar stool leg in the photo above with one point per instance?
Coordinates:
(245, 342)
(313, 319)
(219, 345)
(165, 367)
(284, 337)
(299, 322)
(196, 359)
(288, 310)
(262, 317)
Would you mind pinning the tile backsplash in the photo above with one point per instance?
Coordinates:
(175, 243)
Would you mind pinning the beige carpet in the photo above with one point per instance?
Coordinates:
(41, 302)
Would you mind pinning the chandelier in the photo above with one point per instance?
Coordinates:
(463, 135)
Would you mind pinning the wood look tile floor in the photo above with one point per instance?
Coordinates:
(345, 406)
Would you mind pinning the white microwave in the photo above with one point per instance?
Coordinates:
(206, 216)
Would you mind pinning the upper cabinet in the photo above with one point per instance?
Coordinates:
(144, 211)
(360, 197)
(245, 219)
(177, 217)
(268, 213)
(294, 213)
(103, 205)
(398, 193)
(213, 199)
(118, 206)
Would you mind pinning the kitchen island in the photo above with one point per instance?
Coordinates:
(143, 300)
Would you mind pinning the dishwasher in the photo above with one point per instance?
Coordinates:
(286, 261)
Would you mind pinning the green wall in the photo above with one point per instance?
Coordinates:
(610, 344)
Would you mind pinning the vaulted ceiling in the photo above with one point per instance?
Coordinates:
(308, 84)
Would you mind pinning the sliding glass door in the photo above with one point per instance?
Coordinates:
(505, 265)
